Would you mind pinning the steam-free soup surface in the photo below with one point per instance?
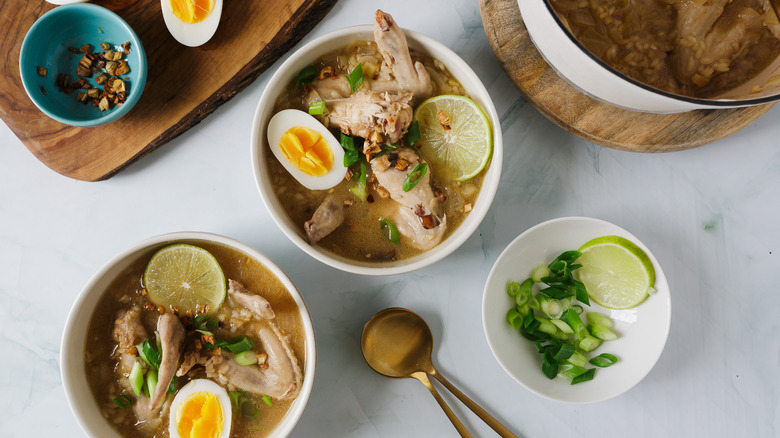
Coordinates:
(101, 364)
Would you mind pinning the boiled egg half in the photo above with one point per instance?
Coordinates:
(307, 149)
(201, 409)
(192, 22)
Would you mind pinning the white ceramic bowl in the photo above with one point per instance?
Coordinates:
(642, 331)
(260, 151)
(74, 376)
(595, 78)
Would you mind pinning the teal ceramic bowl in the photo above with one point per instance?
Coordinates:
(46, 45)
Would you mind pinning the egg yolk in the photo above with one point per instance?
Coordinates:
(307, 150)
(192, 11)
(199, 416)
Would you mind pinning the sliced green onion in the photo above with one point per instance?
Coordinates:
(574, 321)
(122, 401)
(551, 308)
(602, 332)
(306, 76)
(562, 326)
(413, 134)
(173, 385)
(540, 272)
(317, 108)
(151, 381)
(514, 318)
(411, 180)
(578, 359)
(572, 371)
(577, 308)
(149, 354)
(239, 344)
(564, 352)
(204, 323)
(604, 360)
(246, 358)
(359, 189)
(533, 302)
(390, 231)
(355, 78)
(580, 292)
(584, 377)
(235, 398)
(545, 326)
(589, 343)
(137, 378)
(568, 256)
(555, 292)
(595, 318)
(351, 154)
(549, 365)
(267, 400)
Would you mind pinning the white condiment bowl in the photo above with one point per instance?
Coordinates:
(593, 77)
(74, 375)
(260, 151)
(642, 330)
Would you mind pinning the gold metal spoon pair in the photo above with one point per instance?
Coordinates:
(397, 343)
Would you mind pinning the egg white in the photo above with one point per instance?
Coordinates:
(191, 34)
(202, 385)
(286, 119)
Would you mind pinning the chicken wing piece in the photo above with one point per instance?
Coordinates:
(366, 113)
(171, 339)
(257, 304)
(420, 217)
(391, 41)
(328, 216)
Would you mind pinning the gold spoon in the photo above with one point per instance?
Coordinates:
(397, 343)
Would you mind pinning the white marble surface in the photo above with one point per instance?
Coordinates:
(709, 215)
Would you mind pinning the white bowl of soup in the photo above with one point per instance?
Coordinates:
(229, 368)
(661, 57)
(364, 242)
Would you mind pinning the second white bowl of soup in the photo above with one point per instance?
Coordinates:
(386, 229)
(243, 368)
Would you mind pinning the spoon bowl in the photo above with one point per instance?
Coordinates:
(397, 343)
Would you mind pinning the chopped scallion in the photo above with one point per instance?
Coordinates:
(355, 78)
(390, 231)
(137, 378)
(239, 344)
(359, 190)
(604, 360)
(267, 400)
(584, 377)
(206, 323)
(246, 358)
(413, 134)
(151, 381)
(306, 76)
(122, 401)
(415, 176)
(317, 108)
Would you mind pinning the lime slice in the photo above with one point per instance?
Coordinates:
(616, 272)
(186, 277)
(465, 148)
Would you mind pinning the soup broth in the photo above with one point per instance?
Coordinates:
(360, 237)
(101, 358)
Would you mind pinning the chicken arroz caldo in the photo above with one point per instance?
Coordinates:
(389, 201)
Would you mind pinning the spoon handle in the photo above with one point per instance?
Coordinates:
(423, 377)
(489, 420)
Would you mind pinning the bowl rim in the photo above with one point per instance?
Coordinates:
(79, 407)
(723, 103)
(139, 83)
(662, 284)
(444, 248)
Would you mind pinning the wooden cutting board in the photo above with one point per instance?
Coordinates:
(184, 85)
(588, 118)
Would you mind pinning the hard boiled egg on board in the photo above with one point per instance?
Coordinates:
(192, 22)
(201, 408)
(307, 149)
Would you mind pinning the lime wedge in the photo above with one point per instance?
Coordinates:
(465, 147)
(186, 277)
(616, 272)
